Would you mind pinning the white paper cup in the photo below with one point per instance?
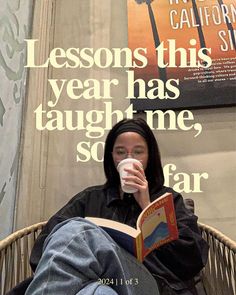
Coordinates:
(127, 163)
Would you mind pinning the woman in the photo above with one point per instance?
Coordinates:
(93, 253)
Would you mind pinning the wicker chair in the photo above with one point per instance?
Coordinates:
(218, 276)
(14, 256)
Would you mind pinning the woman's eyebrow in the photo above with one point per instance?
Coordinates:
(119, 146)
(139, 146)
(136, 146)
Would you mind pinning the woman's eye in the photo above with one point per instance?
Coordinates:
(120, 152)
(138, 152)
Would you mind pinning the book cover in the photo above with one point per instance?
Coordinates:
(158, 224)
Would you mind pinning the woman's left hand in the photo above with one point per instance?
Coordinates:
(137, 179)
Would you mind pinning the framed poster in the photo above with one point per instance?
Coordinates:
(192, 41)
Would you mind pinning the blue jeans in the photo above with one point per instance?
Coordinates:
(80, 258)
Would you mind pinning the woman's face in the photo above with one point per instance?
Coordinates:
(130, 144)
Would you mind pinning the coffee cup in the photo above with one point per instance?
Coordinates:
(127, 164)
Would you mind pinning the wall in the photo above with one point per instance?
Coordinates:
(49, 173)
(14, 28)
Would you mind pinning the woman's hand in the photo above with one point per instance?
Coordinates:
(138, 180)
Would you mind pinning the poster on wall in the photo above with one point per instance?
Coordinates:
(189, 43)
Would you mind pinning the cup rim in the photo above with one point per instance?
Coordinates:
(133, 160)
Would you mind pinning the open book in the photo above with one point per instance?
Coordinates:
(156, 225)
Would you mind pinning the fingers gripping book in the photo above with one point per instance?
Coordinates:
(156, 226)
